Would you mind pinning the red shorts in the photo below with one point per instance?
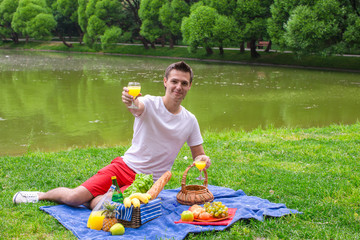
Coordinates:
(100, 183)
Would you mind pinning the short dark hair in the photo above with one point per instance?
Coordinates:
(180, 66)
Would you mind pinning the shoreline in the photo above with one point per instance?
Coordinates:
(205, 59)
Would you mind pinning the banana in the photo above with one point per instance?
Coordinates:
(135, 202)
(142, 197)
(147, 195)
(127, 202)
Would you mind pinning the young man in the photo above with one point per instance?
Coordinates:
(161, 128)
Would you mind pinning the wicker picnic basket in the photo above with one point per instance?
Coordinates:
(194, 194)
(135, 219)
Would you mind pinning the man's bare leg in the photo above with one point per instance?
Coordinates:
(94, 201)
(72, 197)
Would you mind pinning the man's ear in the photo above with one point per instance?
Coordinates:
(165, 82)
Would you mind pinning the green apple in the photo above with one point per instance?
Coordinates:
(117, 229)
(187, 216)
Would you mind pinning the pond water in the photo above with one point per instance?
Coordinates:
(53, 101)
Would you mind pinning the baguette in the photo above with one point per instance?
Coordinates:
(159, 185)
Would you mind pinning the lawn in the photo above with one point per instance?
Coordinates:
(316, 171)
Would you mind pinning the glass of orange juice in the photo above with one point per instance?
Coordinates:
(200, 163)
(95, 220)
(134, 90)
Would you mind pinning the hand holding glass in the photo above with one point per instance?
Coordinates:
(200, 163)
(134, 90)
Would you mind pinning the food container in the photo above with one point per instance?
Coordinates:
(194, 194)
(135, 217)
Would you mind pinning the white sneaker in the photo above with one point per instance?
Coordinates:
(26, 197)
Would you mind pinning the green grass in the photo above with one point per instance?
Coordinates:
(286, 59)
(316, 171)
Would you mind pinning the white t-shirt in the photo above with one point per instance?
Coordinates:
(158, 137)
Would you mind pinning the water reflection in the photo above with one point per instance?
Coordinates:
(52, 101)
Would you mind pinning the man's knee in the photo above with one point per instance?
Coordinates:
(76, 196)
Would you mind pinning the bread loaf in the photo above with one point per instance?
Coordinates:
(159, 185)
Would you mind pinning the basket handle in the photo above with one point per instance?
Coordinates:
(183, 180)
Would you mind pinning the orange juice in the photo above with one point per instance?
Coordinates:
(134, 90)
(200, 165)
(96, 219)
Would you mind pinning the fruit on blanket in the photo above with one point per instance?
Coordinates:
(117, 229)
(187, 216)
(204, 216)
(194, 207)
(109, 212)
(198, 211)
(135, 202)
(216, 209)
(127, 202)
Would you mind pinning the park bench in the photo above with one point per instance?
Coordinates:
(262, 44)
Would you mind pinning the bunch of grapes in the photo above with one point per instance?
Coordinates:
(216, 209)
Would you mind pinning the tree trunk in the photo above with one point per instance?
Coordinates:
(27, 39)
(144, 42)
(69, 45)
(171, 42)
(163, 41)
(254, 53)
(221, 50)
(209, 51)
(81, 33)
(268, 47)
(242, 47)
(152, 45)
(15, 37)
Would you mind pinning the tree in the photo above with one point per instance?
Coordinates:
(197, 29)
(132, 7)
(315, 26)
(225, 31)
(171, 15)
(7, 10)
(151, 27)
(104, 18)
(311, 28)
(66, 16)
(252, 16)
(223, 7)
(33, 18)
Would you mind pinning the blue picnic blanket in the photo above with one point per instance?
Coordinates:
(75, 219)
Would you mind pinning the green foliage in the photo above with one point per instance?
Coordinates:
(223, 7)
(102, 19)
(142, 184)
(225, 31)
(40, 26)
(81, 12)
(151, 27)
(110, 36)
(7, 10)
(315, 28)
(352, 33)
(252, 18)
(197, 29)
(30, 15)
(171, 15)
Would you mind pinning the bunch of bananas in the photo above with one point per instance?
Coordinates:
(136, 198)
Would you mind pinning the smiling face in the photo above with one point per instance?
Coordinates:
(177, 84)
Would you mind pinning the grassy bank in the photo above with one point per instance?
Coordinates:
(315, 171)
(284, 59)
